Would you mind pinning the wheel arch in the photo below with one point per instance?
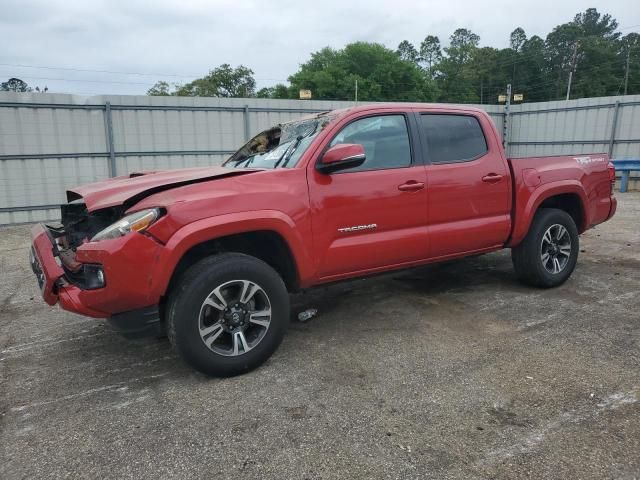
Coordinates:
(268, 235)
(568, 196)
(266, 245)
(570, 203)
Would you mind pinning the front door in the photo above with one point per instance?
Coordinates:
(372, 216)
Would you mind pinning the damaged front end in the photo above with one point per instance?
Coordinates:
(78, 226)
(92, 265)
(99, 260)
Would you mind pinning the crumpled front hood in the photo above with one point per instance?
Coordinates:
(131, 189)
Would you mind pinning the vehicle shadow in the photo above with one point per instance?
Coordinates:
(116, 359)
(492, 271)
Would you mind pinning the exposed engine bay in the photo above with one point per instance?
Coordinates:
(79, 225)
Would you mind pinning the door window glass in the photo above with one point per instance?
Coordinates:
(385, 139)
(453, 138)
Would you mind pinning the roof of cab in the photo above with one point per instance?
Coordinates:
(407, 106)
(341, 112)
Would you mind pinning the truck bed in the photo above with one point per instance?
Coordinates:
(585, 180)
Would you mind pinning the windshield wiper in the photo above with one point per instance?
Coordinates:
(286, 156)
(247, 161)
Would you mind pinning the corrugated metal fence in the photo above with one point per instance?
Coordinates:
(50, 142)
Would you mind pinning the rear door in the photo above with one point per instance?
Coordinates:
(468, 183)
(372, 216)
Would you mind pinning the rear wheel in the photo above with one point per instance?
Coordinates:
(228, 314)
(548, 254)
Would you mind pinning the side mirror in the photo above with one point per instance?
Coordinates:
(341, 157)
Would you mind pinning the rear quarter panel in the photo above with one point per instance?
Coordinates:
(539, 178)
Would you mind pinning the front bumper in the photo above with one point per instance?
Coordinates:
(127, 265)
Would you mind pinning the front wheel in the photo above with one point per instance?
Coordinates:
(228, 314)
(548, 254)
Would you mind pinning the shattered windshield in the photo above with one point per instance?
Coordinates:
(280, 146)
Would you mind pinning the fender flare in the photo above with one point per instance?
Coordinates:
(219, 226)
(524, 216)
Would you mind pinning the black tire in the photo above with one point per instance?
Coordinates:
(527, 257)
(195, 286)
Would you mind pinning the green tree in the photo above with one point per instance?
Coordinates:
(484, 74)
(277, 91)
(15, 85)
(533, 79)
(631, 47)
(223, 81)
(462, 44)
(458, 81)
(160, 88)
(430, 53)
(598, 64)
(406, 51)
(380, 72)
(517, 39)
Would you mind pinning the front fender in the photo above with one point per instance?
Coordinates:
(211, 228)
(528, 199)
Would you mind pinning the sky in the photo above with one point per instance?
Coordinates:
(97, 47)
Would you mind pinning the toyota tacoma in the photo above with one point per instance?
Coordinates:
(208, 256)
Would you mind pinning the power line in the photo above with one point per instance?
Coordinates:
(76, 69)
(83, 80)
(155, 75)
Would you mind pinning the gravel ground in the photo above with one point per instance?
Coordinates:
(448, 371)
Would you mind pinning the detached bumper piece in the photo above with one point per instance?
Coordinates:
(51, 276)
(36, 268)
(44, 265)
(140, 323)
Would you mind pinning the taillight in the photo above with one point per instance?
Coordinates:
(612, 175)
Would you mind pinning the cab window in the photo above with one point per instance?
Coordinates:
(453, 138)
(385, 139)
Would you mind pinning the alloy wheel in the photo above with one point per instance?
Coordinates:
(555, 248)
(234, 317)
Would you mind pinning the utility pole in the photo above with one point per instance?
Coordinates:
(356, 91)
(573, 67)
(481, 91)
(626, 72)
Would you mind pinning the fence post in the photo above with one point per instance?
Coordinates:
(110, 149)
(506, 122)
(247, 125)
(614, 126)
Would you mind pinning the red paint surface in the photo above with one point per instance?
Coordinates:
(422, 213)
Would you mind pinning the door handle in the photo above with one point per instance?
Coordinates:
(492, 178)
(411, 186)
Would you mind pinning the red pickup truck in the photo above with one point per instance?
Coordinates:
(208, 255)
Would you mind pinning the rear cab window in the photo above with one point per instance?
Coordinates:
(452, 138)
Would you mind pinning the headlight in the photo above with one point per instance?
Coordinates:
(136, 222)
